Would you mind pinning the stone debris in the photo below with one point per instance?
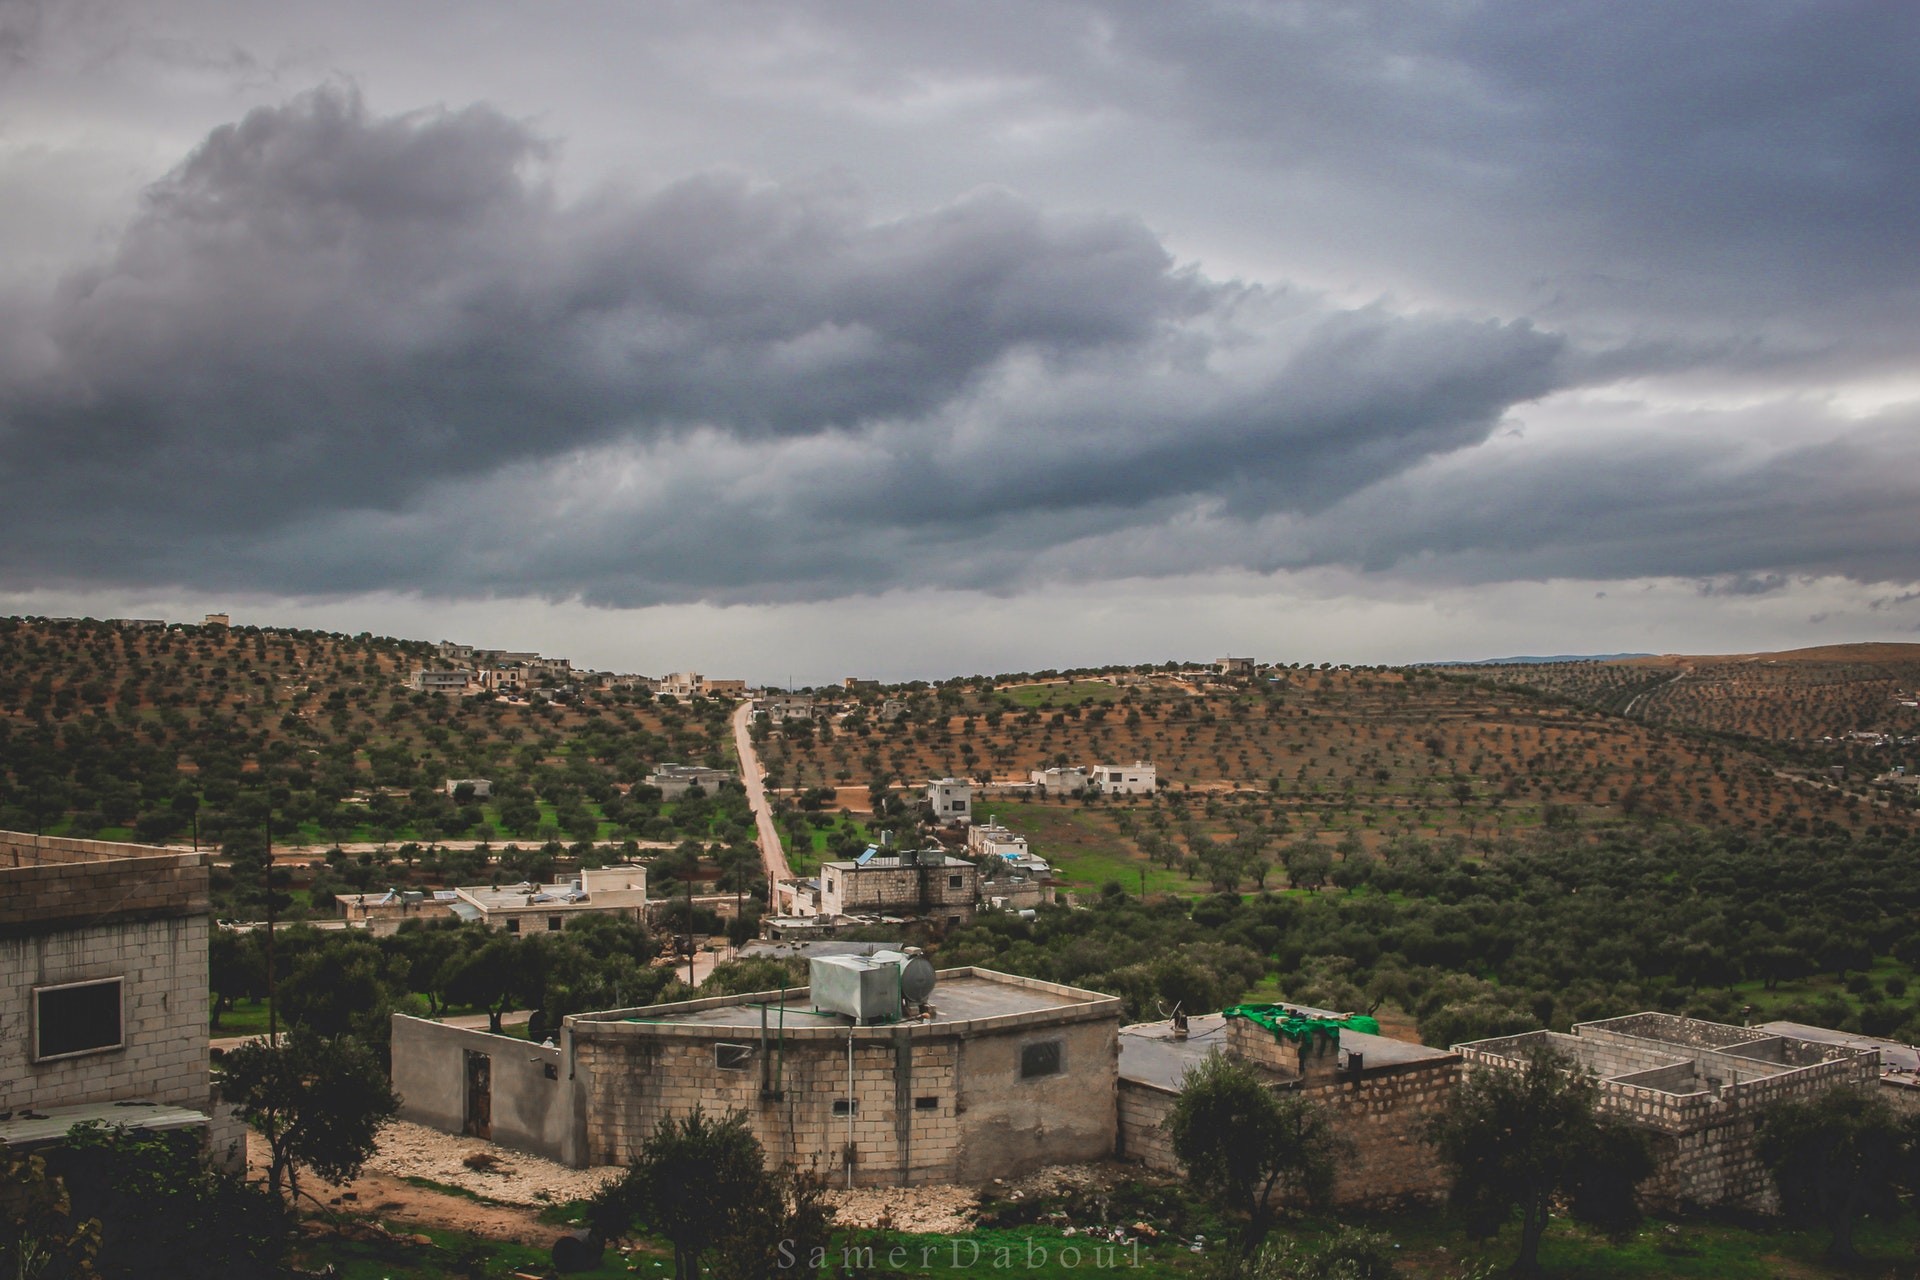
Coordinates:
(942, 1208)
(512, 1177)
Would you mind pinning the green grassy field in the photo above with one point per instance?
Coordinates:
(1073, 693)
(1082, 846)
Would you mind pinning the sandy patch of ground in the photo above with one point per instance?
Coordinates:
(515, 1188)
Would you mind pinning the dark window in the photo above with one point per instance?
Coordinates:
(1041, 1059)
(845, 1107)
(553, 924)
(953, 882)
(513, 925)
(732, 1057)
(76, 1018)
(926, 1104)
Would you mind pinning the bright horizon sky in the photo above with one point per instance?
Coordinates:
(838, 339)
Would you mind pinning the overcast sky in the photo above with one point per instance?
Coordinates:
(795, 341)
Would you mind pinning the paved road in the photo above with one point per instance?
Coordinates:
(772, 856)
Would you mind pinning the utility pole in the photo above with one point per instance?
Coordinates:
(273, 1016)
(690, 981)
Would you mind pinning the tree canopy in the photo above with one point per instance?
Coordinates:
(1242, 1142)
(1516, 1140)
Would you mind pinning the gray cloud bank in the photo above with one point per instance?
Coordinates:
(337, 351)
(326, 325)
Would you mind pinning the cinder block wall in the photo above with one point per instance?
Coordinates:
(1381, 1118)
(162, 964)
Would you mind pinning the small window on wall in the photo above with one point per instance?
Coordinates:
(76, 1018)
(953, 882)
(513, 925)
(733, 1057)
(1041, 1059)
(553, 924)
(926, 1104)
(845, 1107)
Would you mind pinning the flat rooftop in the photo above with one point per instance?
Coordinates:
(1150, 1055)
(895, 863)
(30, 1128)
(959, 996)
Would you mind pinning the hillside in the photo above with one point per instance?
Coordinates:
(1345, 756)
(196, 732)
(1798, 696)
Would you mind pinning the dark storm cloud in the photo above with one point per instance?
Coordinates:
(1625, 163)
(337, 351)
(1678, 500)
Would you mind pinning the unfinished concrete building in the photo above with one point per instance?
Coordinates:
(103, 989)
(1697, 1089)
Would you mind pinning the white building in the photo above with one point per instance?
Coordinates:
(1060, 781)
(546, 908)
(681, 684)
(951, 799)
(1136, 779)
(991, 840)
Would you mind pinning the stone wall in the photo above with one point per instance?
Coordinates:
(1380, 1117)
(1698, 1089)
(1383, 1115)
(48, 884)
(162, 965)
(1313, 1060)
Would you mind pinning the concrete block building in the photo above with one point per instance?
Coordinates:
(999, 1075)
(1698, 1089)
(1380, 1092)
(675, 780)
(930, 884)
(103, 987)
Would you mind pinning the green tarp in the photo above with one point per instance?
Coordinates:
(1283, 1021)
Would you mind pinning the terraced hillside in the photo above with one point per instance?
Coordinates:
(165, 735)
(1804, 695)
(1358, 756)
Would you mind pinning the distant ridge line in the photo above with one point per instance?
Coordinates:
(1527, 661)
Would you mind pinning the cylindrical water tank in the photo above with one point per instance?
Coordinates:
(916, 974)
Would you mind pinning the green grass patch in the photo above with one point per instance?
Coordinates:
(1071, 693)
(1083, 845)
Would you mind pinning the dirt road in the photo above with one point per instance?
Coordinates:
(772, 856)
